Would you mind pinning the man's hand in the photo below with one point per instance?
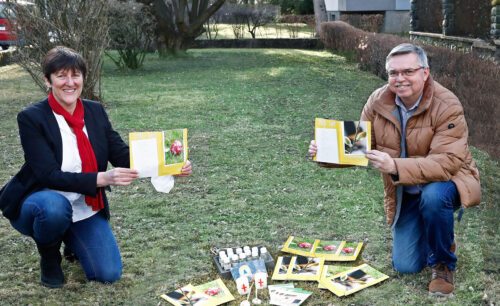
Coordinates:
(116, 177)
(186, 170)
(382, 161)
(313, 148)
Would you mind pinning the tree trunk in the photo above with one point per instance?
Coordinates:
(180, 22)
(319, 14)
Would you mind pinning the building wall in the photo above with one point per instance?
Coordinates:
(366, 5)
(396, 22)
(396, 12)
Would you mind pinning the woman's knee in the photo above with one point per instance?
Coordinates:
(107, 274)
(54, 206)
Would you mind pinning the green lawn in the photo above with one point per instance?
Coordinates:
(250, 118)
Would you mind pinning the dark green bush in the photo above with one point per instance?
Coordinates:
(295, 7)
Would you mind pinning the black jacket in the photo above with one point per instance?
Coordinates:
(42, 144)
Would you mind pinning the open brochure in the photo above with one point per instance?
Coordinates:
(330, 250)
(352, 280)
(217, 290)
(298, 268)
(209, 294)
(287, 294)
(342, 142)
(158, 153)
(187, 295)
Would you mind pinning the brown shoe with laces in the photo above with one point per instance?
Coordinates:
(442, 281)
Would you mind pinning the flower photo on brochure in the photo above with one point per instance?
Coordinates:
(327, 247)
(302, 244)
(173, 146)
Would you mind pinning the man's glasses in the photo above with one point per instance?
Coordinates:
(405, 72)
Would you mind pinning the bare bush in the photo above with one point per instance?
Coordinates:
(257, 16)
(131, 33)
(212, 26)
(81, 25)
(365, 22)
(306, 19)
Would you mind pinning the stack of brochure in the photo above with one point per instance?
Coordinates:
(286, 295)
(309, 264)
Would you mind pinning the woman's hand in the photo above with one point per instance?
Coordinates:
(186, 170)
(116, 177)
(313, 148)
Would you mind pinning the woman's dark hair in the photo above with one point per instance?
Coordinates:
(63, 58)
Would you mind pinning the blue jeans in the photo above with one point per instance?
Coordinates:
(423, 233)
(46, 217)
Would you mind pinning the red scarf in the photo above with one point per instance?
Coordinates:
(87, 156)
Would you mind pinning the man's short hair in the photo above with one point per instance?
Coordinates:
(406, 49)
(63, 58)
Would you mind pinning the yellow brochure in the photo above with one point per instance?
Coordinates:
(353, 280)
(158, 153)
(342, 142)
(187, 295)
(330, 250)
(217, 290)
(298, 268)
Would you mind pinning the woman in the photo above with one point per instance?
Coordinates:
(58, 195)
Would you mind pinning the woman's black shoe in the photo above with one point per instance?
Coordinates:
(50, 265)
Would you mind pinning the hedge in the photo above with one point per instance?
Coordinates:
(472, 79)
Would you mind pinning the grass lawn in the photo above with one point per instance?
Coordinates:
(250, 118)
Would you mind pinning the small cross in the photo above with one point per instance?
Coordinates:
(244, 288)
(261, 283)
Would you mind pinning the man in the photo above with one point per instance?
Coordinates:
(420, 138)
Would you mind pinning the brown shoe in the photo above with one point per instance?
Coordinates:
(453, 247)
(442, 281)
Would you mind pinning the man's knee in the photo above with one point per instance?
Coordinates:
(437, 196)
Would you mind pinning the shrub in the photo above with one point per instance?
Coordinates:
(131, 32)
(80, 25)
(307, 19)
(365, 22)
(472, 79)
(297, 7)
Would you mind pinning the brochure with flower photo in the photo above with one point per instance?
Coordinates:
(187, 295)
(342, 142)
(298, 268)
(217, 290)
(158, 153)
(330, 250)
(352, 280)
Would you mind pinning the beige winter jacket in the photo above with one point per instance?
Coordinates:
(436, 139)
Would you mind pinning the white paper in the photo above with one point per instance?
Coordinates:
(326, 141)
(144, 152)
(163, 183)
